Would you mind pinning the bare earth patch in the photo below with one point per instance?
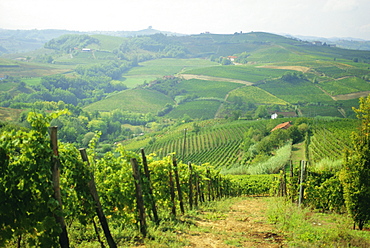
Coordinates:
(245, 225)
(351, 95)
(210, 78)
(294, 68)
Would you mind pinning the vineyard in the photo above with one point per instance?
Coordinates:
(218, 144)
(54, 192)
(246, 73)
(330, 139)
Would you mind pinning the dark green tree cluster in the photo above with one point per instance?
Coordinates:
(293, 77)
(168, 86)
(356, 169)
(263, 142)
(112, 69)
(67, 43)
(151, 47)
(74, 91)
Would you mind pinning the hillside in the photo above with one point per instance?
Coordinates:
(161, 80)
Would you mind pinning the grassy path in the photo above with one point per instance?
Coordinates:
(243, 224)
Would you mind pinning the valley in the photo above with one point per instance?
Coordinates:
(255, 121)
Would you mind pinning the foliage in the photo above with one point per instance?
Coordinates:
(328, 139)
(68, 42)
(356, 169)
(273, 164)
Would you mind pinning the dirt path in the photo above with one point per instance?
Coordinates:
(210, 78)
(294, 68)
(245, 225)
(351, 95)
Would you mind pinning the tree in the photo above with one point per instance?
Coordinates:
(225, 61)
(261, 112)
(355, 173)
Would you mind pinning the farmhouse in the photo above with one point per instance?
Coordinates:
(284, 125)
(232, 58)
(317, 43)
(284, 114)
(86, 49)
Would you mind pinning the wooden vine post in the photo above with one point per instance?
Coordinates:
(196, 183)
(190, 186)
(301, 183)
(98, 207)
(172, 191)
(139, 196)
(209, 185)
(63, 236)
(150, 188)
(178, 186)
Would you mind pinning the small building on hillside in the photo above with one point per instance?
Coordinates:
(276, 115)
(232, 58)
(284, 125)
(86, 49)
(317, 43)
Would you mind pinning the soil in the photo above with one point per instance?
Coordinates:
(210, 78)
(351, 95)
(294, 68)
(245, 225)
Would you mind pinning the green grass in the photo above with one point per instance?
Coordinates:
(255, 95)
(135, 100)
(305, 228)
(244, 72)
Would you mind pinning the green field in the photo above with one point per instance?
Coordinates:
(255, 95)
(245, 73)
(107, 42)
(320, 110)
(302, 91)
(135, 100)
(167, 66)
(345, 86)
(7, 86)
(32, 81)
(153, 69)
(33, 70)
(204, 88)
(202, 109)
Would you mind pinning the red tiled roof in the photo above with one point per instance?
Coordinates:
(284, 125)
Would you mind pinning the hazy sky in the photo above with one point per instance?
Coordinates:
(325, 18)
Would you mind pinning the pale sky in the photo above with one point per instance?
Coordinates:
(324, 18)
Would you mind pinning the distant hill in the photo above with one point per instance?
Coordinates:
(20, 41)
(345, 42)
